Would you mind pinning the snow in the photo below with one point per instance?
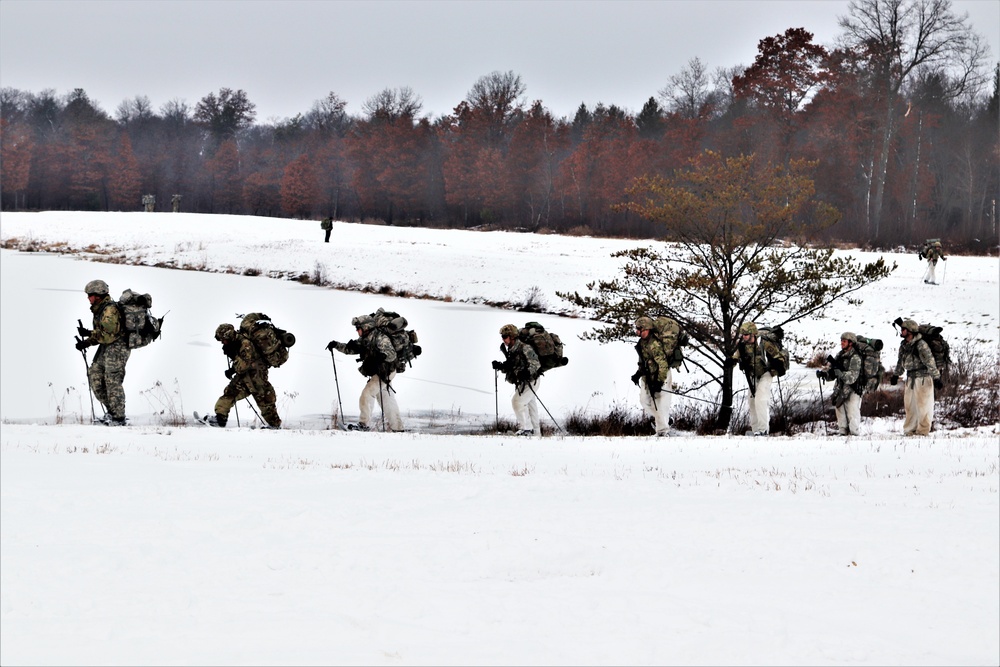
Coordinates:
(167, 543)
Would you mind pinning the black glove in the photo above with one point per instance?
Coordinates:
(417, 350)
(230, 372)
(635, 377)
(938, 383)
(332, 344)
(353, 347)
(822, 375)
(563, 361)
(82, 344)
(830, 360)
(894, 380)
(83, 331)
(498, 365)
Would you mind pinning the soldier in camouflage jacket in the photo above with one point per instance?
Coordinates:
(654, 374)
(922, 378)
(107, 372)
(750, 356)
(247, 377)
(521, 368)
(846, 371)
(378, 364)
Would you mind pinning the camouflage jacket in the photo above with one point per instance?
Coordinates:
(916, 358)
(751, 359)
(107, 322)
(246, 358)
(654, 357)
(846, 371)
(521, 364)
(377, 355)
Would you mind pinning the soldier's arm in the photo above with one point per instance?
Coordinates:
(853, 371)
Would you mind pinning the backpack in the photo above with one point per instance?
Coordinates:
(775, 335)
(270, 341)
(939, 346)
(547, 345)
(327, 223)
(872, 370)
(403, 340)
(669, 332)
(139, 325)
(931, 249)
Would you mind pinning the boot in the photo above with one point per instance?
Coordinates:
(217, 420)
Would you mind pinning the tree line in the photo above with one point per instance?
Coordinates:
(899, 123)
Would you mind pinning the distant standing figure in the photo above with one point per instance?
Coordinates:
(175, 202)
(149, 203)
(932, 252)
(327, 226)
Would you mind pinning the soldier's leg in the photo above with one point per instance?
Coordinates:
(909, 407)
(95, 375)
(390, 407)
(115, 358)
(760, 405)
(536, 424)
(853, 412)
(924, 399)
(266, 399)
(519, 404)
(232, 394)
(367, 400)
(645, 400)
(843, 423)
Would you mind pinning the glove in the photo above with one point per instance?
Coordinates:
(353, 347)
(773, 373)
(945, 258)
(417, 350)
(83, 331)
(230, 372)
(498, 365)
(938, 383)
(332, 344)
(894, 380)
(822, 375)
(830, 360)
(82, 344)
(635, 377)
(655, 386)
(563, 361)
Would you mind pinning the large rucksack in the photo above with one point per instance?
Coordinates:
(139, 325)
(270, 341)
(403, 340)
(776, 335)
(547, 345)
(669, 332)
(931, 249)
(872, 370)
(939, 346)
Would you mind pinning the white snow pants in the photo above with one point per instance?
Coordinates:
(525, 406)
(657, 407)
(918, 401)
(379, 391)
(931, 271)
(849, 416)
(759, 405)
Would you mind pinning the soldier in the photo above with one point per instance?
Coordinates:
(522, 369)
(149, 203)
(932, 252)
(846, 370)
(750, 357)
(175, 203)
(378, 363)
(654, 374)
(922, 378)
(247, 376)
(107, 372)
(327, 226)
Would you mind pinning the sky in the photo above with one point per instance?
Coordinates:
(288, 54)
(170, 543)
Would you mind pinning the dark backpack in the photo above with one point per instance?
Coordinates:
(775, 335)
(139, 326)
(669, 332)
(939, 346)
(403, 340)
(547, 345)
(872, 370)
(271, 342)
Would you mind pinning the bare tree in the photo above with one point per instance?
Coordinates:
(136, 110)
(897, 37)
(328, 115)
(688, 90)
(498, 99)
(392, 103)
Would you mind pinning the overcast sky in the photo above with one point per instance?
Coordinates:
(286, 54)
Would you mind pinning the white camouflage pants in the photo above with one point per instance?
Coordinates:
(525, 406)
(759, 404)
(849, 415)
(918, 401)
(657, 407)
(378, 391)
(931, 271)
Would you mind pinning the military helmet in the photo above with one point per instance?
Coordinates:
(364, 322)
(910, 325)
(848, 336)
(98, 287)
(508, 330)
(748, 328)
(225, 333)
(643, 323)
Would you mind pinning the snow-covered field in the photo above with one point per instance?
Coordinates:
(166, 544)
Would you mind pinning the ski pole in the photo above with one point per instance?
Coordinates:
(546, 409)
(822, 404)
(784, 410)
(86, 364)
(381, 402)
(496, 398)
(336, 380)
(236, 404)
